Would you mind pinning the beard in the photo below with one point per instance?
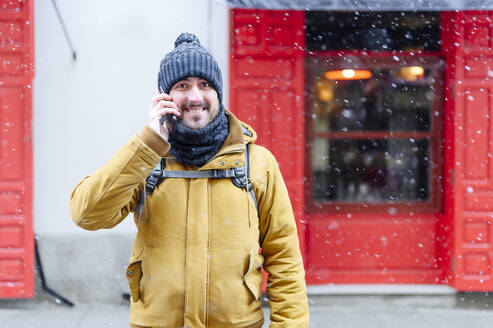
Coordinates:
(196, 119)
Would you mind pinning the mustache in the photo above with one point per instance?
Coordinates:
(194, 104)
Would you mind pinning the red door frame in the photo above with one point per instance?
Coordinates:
(16, 187)
(468, 148)
(462, 241)
(251, 34)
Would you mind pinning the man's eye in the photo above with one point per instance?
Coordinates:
(205, 84)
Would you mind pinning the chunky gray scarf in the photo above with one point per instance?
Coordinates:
(195, 147)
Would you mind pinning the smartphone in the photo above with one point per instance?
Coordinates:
(169, 119)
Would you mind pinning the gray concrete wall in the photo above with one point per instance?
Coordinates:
(86, 268)
(85, 110)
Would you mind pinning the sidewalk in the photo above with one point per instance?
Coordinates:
(453, 311)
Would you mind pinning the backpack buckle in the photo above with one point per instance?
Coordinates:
(239, 178)
(152, 181)
(239, 172)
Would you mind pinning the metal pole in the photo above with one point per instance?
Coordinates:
(64, 28)
(39, 267)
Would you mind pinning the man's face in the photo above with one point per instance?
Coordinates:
(197, 101)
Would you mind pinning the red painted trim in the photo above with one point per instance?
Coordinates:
(472, 257)
(445, 230)
(22, 81)
(373, 134)
(323, 277)
(367, 53)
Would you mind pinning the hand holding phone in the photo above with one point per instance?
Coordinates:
(169, 119)
(163, 114)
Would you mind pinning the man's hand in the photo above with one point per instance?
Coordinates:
(161, 104)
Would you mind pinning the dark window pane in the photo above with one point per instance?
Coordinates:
(399, 95)
(374, 31)
(370, 170)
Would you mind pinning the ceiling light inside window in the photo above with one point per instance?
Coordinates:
(411, 73)
(348, 74)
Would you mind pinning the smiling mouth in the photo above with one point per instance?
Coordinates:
(196, 109)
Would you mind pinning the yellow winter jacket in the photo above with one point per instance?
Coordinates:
(197, 257)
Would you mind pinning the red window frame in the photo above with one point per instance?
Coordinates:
(384, 60)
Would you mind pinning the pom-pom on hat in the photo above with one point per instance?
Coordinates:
(189, 58)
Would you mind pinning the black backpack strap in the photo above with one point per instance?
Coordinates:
(239, 175)
(152, 181)
(140, 206)
(155, 178)
(249, 185)
(158, 174)
(243, 179)
(205, 174)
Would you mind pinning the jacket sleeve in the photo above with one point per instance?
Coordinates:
(104, 199)
(286, 289)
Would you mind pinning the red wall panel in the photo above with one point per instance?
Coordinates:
(16, 74)
(370, 248)
(471, 164)
(266, 89)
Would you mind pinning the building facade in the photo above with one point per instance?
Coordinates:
(379, 117)
(381, 123)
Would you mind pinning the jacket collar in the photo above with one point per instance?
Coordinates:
(234, 144)
(236, 138)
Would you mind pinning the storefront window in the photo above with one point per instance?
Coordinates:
(374, 130)
(373, 31)
(371, 170)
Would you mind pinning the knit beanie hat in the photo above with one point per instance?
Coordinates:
(189, 58)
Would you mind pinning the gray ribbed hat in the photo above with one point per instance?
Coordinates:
(189, 58)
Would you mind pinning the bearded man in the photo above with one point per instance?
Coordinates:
(210, 206)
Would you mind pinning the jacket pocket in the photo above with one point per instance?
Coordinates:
(134, 275)
(253, 276)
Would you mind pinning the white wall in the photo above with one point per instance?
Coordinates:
(85, 110)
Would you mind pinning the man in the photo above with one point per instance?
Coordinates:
(201, 242)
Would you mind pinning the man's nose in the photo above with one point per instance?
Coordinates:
(195, 94)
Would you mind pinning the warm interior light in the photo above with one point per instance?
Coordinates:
(417, 70)
(411, 73)
(348, 74)
(325, 90)
(325, 94)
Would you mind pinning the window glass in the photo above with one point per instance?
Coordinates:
(373, 31)
(371, 171)
(387, 101)
(371, 131)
